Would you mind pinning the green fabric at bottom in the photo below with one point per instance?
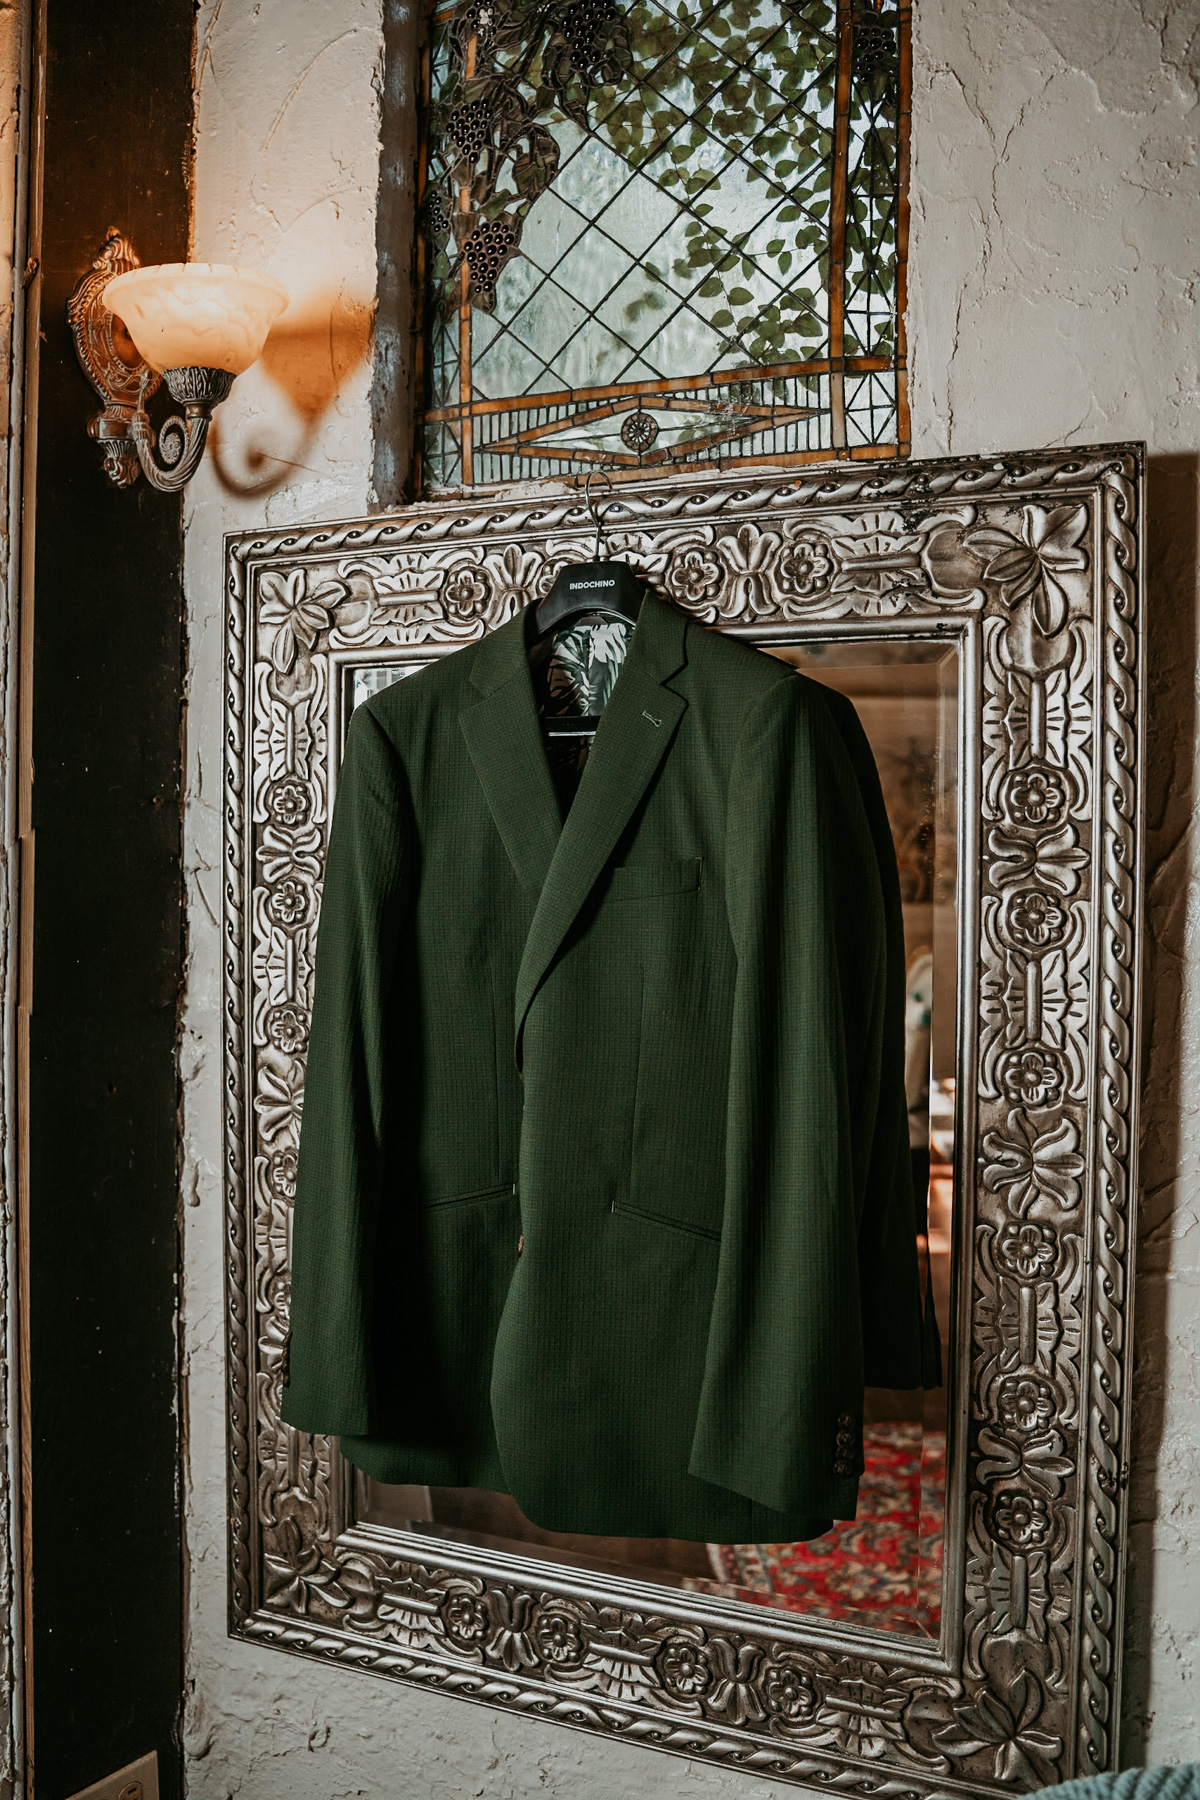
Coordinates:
(714, 1517)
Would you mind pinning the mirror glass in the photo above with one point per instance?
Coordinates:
(883, 1569)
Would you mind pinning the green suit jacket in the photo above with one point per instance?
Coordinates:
(604, 1196)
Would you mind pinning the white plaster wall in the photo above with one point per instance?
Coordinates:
(1053, 286)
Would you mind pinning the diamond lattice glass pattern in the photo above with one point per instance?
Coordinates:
(657, 233)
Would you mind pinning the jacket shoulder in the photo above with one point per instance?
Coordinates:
(739, 668)
(747, 675)
(442, 685)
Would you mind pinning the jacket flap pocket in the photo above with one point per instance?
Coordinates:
(638, 881)
(623, 1208)
(505, 1189)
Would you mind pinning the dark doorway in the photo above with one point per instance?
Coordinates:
(104, 926)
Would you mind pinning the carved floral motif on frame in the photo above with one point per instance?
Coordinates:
(1031, 563)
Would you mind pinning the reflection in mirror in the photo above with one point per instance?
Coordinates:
(884, 1568)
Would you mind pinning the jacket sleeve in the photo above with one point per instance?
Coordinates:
(785, 1354)
(896, 1353)
(330, 1386)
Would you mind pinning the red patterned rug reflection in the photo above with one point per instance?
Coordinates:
(883, 1568)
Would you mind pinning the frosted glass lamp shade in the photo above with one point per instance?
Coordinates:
(196, 315)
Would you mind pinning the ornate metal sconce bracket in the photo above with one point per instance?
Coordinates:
(110, 360)
(180, 440)
(125, 381)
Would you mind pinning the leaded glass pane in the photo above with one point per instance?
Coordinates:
(657, 233)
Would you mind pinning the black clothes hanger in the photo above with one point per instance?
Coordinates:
(597, 586)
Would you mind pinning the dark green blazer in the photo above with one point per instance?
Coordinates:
(604, 1194)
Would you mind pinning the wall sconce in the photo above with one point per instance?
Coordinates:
(193, 325)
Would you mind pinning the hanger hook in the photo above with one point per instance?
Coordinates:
(594, 513)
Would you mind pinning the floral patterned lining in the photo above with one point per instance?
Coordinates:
(574, 673)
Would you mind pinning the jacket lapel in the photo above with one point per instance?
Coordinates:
(636, 728)
(505, 741)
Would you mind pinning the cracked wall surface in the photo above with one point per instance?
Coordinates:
(1053, 288)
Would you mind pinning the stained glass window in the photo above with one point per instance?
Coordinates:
(653, 233)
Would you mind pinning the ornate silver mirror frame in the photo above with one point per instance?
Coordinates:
(1032, 563)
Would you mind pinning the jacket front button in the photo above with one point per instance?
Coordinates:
(521, 1244)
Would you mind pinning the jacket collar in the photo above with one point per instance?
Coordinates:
(657, 644)
(562, 861)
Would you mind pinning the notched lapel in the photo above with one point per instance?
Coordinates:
(635, 731)
(505, 741)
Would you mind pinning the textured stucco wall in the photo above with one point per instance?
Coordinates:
(1053, 256)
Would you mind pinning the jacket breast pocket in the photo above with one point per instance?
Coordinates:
(643, 881)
